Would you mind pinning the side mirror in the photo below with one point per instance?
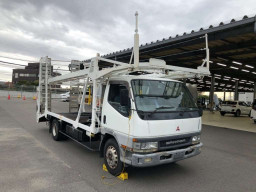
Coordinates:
(200, 112)
(124, 97)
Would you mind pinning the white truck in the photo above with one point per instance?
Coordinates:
(253, 111)
(141, 115)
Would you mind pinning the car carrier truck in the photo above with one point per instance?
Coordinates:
(141, 114)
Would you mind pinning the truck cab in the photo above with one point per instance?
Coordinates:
(152, 120)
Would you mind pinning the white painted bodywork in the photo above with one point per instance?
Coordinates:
(245, 110)
(253, 114)
(135, 127)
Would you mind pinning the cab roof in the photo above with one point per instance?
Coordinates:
(145, 77)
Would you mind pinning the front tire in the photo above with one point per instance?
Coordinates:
(112, 157)
(238, 113)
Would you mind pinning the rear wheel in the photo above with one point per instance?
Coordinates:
(255, 121)
(222, 113)
(238, 113)
(55, 129)
(112, 157)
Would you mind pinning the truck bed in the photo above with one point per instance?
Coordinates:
(85, 117)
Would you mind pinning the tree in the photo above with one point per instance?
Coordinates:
(23, 82)
(36, 82)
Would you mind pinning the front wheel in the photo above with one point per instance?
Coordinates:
(112, 157)
(238, 113)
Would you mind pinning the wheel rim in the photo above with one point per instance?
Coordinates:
(54, 130)
(112, 157)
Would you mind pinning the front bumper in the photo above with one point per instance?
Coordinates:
(164, 157)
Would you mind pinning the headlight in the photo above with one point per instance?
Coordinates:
(196, 139)
(145, 147)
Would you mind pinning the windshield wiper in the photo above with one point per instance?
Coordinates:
(162, 107)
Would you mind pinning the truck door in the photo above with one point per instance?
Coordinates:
(115, 113)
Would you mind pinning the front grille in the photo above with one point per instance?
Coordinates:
(175, 142)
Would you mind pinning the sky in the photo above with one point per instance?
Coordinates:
(79, 29)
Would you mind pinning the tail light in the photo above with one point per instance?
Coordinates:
(233, 105)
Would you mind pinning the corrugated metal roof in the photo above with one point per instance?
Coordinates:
(228, 42)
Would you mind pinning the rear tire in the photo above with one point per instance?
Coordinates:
(112, 157)
(238, 113)
(55, 129)
(222, 113)
(255, 121)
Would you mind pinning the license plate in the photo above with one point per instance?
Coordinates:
(178, 155)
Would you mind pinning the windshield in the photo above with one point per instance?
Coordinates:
(158, 95)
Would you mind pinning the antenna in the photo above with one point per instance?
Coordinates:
(136, 43)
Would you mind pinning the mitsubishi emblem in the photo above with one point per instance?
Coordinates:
(178, 128)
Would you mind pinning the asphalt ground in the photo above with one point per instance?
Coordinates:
(31, 161)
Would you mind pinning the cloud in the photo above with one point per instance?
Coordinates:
(79, 29)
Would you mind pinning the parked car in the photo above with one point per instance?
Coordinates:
(65, 97)
(253, 111)
(235, 107)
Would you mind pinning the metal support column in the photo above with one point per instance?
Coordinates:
(236, 91)
(224, 98)
(254, 90)
(212, 92)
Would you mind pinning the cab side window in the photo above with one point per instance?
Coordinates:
(114, 98)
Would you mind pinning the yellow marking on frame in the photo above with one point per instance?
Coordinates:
(89, 96)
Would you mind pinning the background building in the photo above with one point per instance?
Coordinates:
(29, 74)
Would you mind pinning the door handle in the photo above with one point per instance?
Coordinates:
(104, 119)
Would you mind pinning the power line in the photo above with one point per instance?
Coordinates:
(60, 69)
(60, 64)
(7, 65)
(57, 60)
(12, 63)
(26, 65)
(17, 59)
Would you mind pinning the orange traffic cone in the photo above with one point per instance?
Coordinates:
(24, 98)
(9, 97)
